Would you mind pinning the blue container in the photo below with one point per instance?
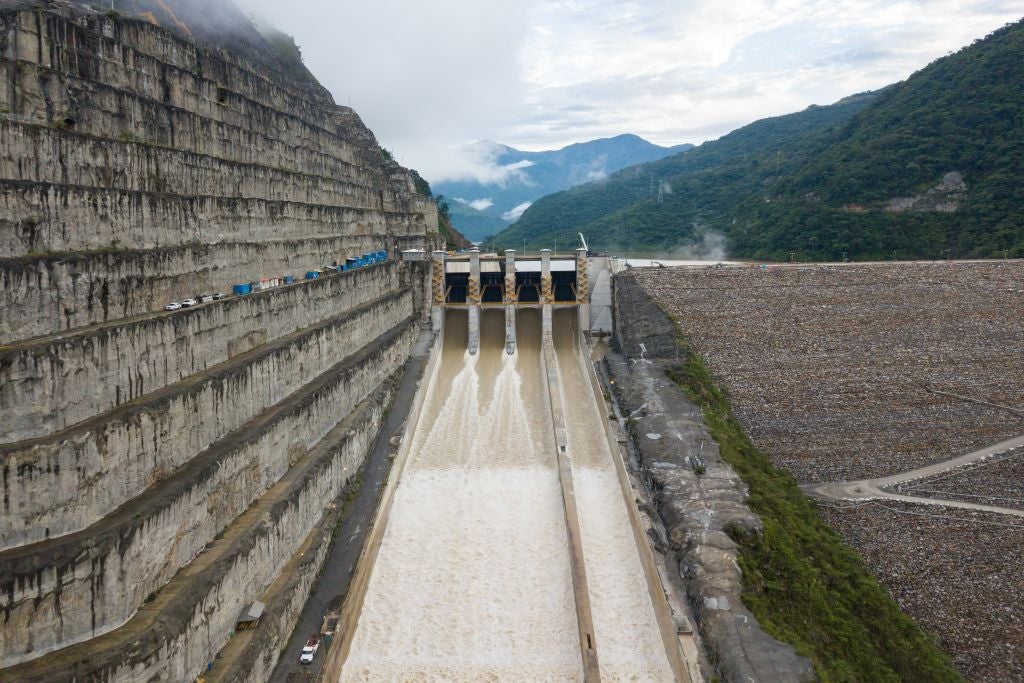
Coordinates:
(312, 274)
(382, 256)
(242, 289)
(351, 263)
(288, 279)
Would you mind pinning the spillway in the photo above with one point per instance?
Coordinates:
(473, 578)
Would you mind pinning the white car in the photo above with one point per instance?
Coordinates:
(173, 306)
(218, 296)
(309, 650)
(188, 302)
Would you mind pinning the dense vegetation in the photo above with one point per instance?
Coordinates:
(452, 236)
(819, 183)
(804, 585)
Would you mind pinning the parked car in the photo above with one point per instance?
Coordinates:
(309, 650)
(203, 298)
(218, 296)
(188, 302)
(173, 306)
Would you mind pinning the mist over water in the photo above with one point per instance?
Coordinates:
(473, 582)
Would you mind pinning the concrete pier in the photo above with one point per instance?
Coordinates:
(510, 301)
(437, 289)
(583, 289)
(473, 299)
(546, 290)
(510, 330)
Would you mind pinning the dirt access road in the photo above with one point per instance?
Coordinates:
(874, 489)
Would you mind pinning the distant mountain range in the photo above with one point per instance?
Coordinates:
(479, 209)
(927, 168)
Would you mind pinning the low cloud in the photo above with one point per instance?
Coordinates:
(479, 162)
(515, 213)
(478, 204)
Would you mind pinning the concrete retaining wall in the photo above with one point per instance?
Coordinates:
(245, 132)
(65, 483)
(38, 154)
(49, 294)
(57, 218)
(65, 590)
(151, 62)
(174, 635)
(50, 385)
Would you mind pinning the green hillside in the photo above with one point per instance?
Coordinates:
(929, 167)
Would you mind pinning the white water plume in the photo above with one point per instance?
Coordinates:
(472, 581)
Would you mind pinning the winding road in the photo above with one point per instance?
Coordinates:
(875, 489)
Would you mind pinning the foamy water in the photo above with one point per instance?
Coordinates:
(473, 582)
(629, 644)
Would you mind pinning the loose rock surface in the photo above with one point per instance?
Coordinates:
(834, 372)
(958, 572)
(827, 367)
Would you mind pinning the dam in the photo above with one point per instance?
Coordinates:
(505, 547)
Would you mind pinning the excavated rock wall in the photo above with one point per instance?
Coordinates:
(86, 180)
(49, 294)
(137, 167)
(79, 586)
(65, 482)
(62, 381)
(182, 627)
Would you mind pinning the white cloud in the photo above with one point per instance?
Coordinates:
(478, 204)
(516, 212)
(540, 74)
(479, 162)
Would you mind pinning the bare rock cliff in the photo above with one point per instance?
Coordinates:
(160, 469)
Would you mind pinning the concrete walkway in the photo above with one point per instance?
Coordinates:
(874, 489)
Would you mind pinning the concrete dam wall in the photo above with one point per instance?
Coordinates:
(162, 470)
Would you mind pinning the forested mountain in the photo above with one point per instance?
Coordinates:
(484, 208)
(929, 167)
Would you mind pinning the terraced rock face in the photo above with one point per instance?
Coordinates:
(160, 469)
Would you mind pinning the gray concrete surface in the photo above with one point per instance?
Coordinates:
(600, 276)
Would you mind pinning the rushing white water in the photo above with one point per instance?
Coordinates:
(629, 645)
(473, 582)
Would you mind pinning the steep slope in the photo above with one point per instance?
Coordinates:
(527, 176)
(163, 469)
(929, 167)
(475, 222)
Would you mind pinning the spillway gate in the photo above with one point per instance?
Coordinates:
(475, 281)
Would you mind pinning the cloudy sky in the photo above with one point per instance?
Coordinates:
(430, 77)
